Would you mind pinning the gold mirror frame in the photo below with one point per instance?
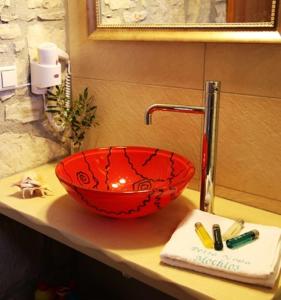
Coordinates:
(264, 32)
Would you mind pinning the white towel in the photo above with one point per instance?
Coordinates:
(256, 263)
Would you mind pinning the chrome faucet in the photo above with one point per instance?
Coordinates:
(210, 112)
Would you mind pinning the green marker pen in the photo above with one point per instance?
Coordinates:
(242, 239)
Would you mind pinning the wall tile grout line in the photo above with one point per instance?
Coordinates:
(174, 87)
(135, 83)
(248, 193)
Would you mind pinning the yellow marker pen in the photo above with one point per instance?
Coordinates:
(204, 235)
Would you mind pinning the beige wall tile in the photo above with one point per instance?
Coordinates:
(167, 64)
(249, 199)
(120, 113)
(249, 147)
(251, 69)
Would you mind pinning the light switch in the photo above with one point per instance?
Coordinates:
(8, 77)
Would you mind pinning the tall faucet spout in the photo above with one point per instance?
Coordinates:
(210, 111)
(171, 107)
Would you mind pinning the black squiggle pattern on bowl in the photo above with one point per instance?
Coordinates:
(172, 173)
(96, 181)
(157, 200)
(150, 157)
(142, 185)
(107, 168)
(144, 203)
(82, 177)
(137, 172)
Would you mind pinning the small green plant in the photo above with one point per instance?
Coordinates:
(74, 116)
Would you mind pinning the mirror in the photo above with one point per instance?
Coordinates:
(185, 20)
(185, 13)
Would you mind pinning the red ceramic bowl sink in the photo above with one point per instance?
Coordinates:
(124, 182)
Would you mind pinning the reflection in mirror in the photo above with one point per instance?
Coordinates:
(185, 13)
(250, 10)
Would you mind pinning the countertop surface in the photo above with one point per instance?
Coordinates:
(131, 246)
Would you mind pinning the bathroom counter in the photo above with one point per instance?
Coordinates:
(131, 246)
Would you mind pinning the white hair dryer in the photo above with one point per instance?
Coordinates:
(46, 72)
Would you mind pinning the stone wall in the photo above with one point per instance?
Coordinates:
(163, 11)
(24, 140)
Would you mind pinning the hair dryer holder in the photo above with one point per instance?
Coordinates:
(46, 72)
